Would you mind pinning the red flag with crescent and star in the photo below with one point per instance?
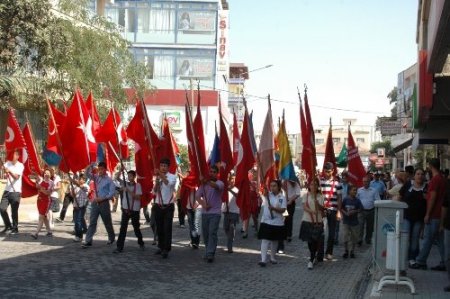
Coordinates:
(76, 136)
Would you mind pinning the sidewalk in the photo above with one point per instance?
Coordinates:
(428, 283)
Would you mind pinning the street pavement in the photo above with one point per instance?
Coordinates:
(55, 267)
(428, 283)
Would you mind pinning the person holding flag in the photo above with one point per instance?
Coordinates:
(165, 185)
(230, 213)
(209, 195)
(131, 206)
(272, 229)
(45, 187)
(332, 191)
(104, 190)
(13, 170)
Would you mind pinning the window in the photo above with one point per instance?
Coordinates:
(336, 140)
(360, 140)
(320, 141)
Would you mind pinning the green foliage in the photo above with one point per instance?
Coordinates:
(184, 157)
(393, 95)
(62, 50)
(386, 144)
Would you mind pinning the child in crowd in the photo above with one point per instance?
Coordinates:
(350, 208)
(45, 188)
(81, 200)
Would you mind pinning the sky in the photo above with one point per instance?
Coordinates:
(348, 52)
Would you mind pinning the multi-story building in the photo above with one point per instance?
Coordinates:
(238, 75)
(431, 112)
(182, 44)
(402, 139)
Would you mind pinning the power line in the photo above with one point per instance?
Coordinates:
(250, 98)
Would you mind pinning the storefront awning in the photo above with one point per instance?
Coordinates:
(435, 132)
(401, 144)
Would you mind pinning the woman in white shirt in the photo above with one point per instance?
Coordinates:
(311, 229)
(272, 229)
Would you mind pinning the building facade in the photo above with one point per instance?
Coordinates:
(183, 44)
(403, 134)
(431, 112)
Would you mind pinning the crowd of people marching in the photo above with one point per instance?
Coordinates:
(329, 204)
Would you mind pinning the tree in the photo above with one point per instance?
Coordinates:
(393, 95)
(184, 157)
(386, 144)
(45, 55)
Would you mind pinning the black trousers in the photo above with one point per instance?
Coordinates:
(164, 220)
(13, 199)
(68, 199)
(181, 213)
(126, 216)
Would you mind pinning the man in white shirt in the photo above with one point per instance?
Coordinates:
(11, 196)
(230, 212)
(164, 206)
(131, 206)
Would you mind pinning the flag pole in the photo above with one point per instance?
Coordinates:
(34, 141)
(120, 155)
(194, 139)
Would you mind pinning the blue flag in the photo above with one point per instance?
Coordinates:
(214, 156)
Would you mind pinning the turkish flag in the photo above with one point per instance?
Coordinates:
(76, 136)
(56, 121)
(236, 140)
(226, 155)
(13, 137)
(138, 130)
(114, 136)
(244, 164)
(96, 126)
(144, 173)
(166, 149)
(356, 171)
(30, 162)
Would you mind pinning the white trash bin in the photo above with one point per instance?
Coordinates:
(390, 251)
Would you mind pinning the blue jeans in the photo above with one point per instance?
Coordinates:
(78, 216)
(194, 225)
(210, 226)
(102, 209)
(431, 231)
(413, 229)
(230, 221)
